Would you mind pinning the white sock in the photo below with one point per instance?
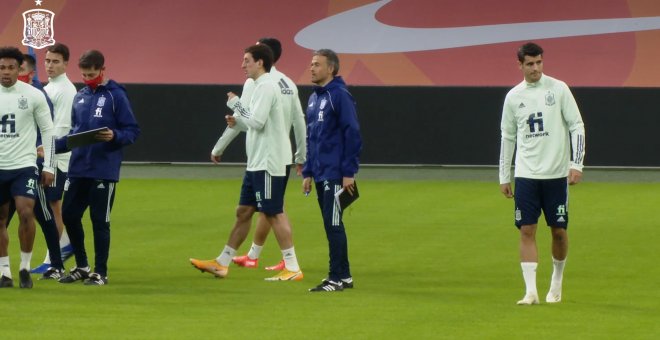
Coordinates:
(255, 251)
(64, 239)
(225, 257)
(557, 273)
(47, 258)
(529, 274)
(25, 260)
(4, 267)
(290, 260)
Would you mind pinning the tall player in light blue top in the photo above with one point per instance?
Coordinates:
(61, 91)
(540, 120)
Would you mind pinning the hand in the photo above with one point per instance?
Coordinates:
(506, 190)
(104, 135)
(46, 179)
(574, 176)
(349, 184)
(230, 95)
(299, 168)
(40, 151)
(231, 120)
(307, 185)
(215, 159)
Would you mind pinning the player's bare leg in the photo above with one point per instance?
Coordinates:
(528, 263)
(559, 253)
(282, 231)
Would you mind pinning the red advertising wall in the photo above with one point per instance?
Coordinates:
(611, 43)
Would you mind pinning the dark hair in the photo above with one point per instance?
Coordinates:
(531, 49)
(274, 45)
(10, 52)
(60, 48)
(261, 52)
(91, 59)
(333, 60)
(31, 61)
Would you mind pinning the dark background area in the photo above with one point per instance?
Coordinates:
(401, 125)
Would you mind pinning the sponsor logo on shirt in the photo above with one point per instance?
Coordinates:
(535, 122)
(8, 126)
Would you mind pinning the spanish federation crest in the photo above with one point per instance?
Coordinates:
(549, 99)
(22, 103)
(38, 30)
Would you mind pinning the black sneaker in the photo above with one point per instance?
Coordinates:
(346, 283)
(328, 286)
(52, 274)
(75, 274)
(6, 282)
(25, 279)
(96, 279)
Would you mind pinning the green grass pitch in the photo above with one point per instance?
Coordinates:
(430, 259)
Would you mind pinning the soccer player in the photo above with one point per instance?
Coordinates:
(333, 150)
(94, 169)
(23, 108)
(294, 118)
(542, 121)
(43, 212)
(269, 152)
(61, 91)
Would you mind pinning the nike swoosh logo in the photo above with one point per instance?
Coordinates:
(358, 31)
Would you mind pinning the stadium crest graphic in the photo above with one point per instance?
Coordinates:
(38, 29)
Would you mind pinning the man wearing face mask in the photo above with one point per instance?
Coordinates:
(94, 169)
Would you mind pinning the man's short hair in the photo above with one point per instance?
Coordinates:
(531, 49)
(274, 45)
(261, 52)
(61, 49)
(91, 59)
(11, 52)
(333, 59)
(30, 61)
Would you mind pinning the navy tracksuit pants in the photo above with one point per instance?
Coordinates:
(98, 195)
(334, 229)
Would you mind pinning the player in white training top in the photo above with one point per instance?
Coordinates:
(61, 92)
(23, 109)
(542, 123)
(293, 118)
(269, 152)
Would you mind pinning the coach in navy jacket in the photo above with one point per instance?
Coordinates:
(94, 169)
(333, 133)
(333, 151)
(107, 106)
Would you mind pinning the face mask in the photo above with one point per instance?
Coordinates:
(25, 78)
(95, 82)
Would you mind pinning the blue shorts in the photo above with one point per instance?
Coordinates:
(263, 191)
(55, 192)
(18, 182)
(535, 195)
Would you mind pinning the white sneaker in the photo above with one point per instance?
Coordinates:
(554, 295)
(529, 299)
